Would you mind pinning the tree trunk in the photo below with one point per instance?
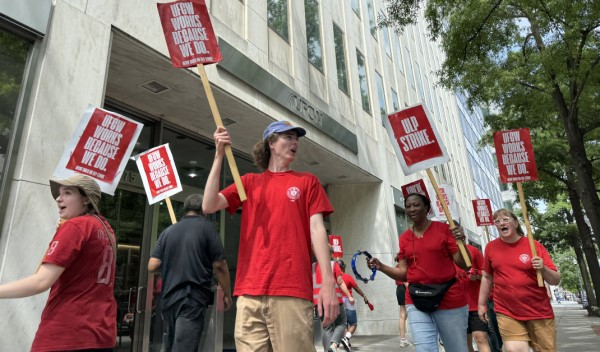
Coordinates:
(584, 182)
(586, 242)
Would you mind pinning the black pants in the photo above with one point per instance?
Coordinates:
(185, 322)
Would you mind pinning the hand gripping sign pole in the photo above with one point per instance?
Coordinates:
(529, 232)
(516, 163)
(442, 199)
(192, 42)
(418, 147)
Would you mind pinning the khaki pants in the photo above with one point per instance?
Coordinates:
(274, 324)
(540, 333)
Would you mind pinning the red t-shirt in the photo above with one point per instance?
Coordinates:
(275, 254)
(350, 283)
(516, 292)
(81, 311)
(471, 287)
(317, 279)
(430, 261)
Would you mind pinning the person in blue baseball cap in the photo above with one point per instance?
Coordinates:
(282, 216)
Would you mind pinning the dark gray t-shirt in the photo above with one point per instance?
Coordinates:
(186, 251)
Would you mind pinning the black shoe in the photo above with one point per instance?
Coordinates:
(346, 344)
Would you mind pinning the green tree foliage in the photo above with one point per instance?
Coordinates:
(569, 277)
(12, 63)
(534, 61)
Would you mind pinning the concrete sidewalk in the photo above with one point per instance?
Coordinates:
(576, 332)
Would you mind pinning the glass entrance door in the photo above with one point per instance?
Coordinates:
(126, 212)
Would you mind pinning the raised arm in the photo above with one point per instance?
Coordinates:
(213, 200)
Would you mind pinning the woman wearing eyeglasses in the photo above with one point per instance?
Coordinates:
(523, 309)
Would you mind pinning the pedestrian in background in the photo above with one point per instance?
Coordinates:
(350, 306)
(525, 316)
(476, 328)
(428, 251)
(332, 334)
(283, 214)
(401, 298)
(79, 267)
(188, 253)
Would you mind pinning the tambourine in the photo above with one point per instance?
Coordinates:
(356, 274)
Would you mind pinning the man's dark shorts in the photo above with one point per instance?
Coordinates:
(476, 324)
(401, 294)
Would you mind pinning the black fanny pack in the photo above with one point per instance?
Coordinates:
(427, 297)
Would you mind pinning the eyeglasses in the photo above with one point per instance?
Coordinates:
(502, 221)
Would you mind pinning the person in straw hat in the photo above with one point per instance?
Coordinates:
(79, 267)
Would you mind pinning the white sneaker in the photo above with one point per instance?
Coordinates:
(404, 342)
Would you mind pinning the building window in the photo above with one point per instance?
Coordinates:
(398, 53)
(381, 95)
(409, 74)
(313, 33)
(386, 38)
(356, 7)
(401, 221)
(363, 81)
(340, 58)
(277, 17)
(13, 62)
(395, 102)
(371, 12)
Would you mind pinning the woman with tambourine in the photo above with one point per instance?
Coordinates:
(435, 302)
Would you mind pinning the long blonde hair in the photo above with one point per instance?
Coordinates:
(507, 212)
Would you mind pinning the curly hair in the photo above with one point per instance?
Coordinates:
(262, 152)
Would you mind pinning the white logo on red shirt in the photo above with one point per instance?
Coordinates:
(524, 258)
(293, 193)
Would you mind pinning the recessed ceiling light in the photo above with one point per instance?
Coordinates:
(155, 87)
(312, 163)
(341, 177)
(227, 121)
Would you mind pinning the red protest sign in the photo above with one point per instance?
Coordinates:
(415, 187)
(159, 173)
(336, 244)
(189, 33)
(483, 212)
(514, 152)
(415, 140)
(102, 145)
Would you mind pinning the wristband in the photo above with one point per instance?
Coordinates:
(356, 274)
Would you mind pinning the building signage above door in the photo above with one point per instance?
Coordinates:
(260, 79)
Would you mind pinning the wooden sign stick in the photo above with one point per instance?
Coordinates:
(217, 117)
(171, 212)
(540, 280)
(461, 245)
(487, 234)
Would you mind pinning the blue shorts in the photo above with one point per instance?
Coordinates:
(351, 318)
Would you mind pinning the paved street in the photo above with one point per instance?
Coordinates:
(576, 333)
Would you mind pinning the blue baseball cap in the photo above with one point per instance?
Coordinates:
(282, 126)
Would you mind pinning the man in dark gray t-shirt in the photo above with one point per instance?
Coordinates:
(188, 253)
